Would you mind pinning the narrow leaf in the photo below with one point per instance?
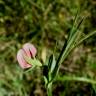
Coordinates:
(52, 63)
(85, 37)
(74, 26)
(74, 78)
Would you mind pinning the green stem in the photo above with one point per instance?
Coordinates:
(49, 89)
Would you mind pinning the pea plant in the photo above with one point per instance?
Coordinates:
(27, 57)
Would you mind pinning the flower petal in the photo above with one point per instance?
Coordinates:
(21, 60)
(30, 50)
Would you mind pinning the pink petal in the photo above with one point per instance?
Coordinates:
(30, 50)
(21, 60)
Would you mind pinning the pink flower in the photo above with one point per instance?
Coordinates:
(27, 50)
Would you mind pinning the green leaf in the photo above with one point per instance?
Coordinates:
(74, 78)
(52, 63)
(72, 39)
(46, 81)
(51, 67)
(85, 37)
(34, 61)
(73, 29)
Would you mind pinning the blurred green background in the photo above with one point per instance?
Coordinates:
(45, 23)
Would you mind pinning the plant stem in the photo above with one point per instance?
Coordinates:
(49, 89)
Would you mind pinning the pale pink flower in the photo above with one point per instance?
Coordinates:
(28, 50)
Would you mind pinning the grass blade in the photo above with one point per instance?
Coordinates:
(86, 37)
(74, 78)
(73, 27)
